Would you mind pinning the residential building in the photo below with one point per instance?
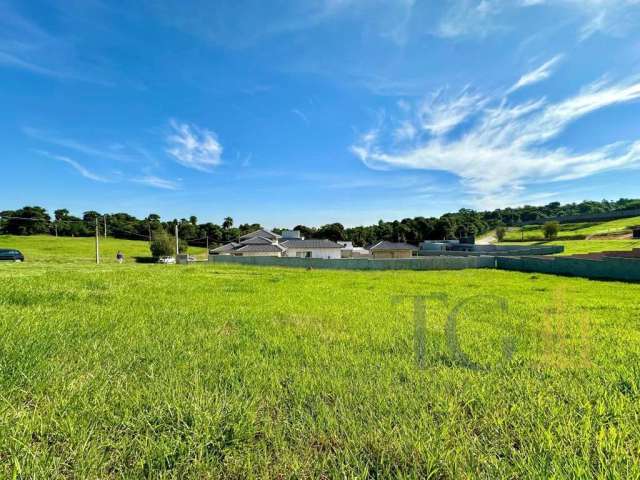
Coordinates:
(349, 251)
(312, 248)
(386, 249)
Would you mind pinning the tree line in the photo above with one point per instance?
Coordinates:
(32, 220)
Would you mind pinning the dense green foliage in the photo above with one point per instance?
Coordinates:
(203, 371)
(550, 230)
(162, 245)
(35, 220)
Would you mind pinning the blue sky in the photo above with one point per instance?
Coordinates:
(317, 111)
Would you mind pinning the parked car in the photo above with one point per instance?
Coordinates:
(11, 255)
(166, 260)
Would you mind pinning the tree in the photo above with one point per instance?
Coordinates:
(332, 231)
(501, 231)
(162, 244)
(551, 230)
(193, 220)
(227, 223)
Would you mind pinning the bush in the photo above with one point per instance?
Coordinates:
(500, 233)
(551, 230)
(162, 244)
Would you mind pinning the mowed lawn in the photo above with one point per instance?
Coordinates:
(50, 249)
(572, 247)
(210, 371)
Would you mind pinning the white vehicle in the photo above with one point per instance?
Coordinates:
(166, 260)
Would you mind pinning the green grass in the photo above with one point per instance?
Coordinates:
(209, 371)
(534, 232)
(50, 249)
(572, 247)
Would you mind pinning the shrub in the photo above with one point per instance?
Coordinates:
(551, 230)
(162, 244)
(500, 233)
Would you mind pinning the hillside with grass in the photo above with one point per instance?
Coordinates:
(77, 250)
(574, 231)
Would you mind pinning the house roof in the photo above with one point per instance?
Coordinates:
(384, 245)
(259, 248)
(311, 243)
(229, 247)
(260, 233)
(257, 241)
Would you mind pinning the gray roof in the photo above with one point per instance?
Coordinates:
(257, 241)
(311, 243)
(261, 233)
(384, 245)
(229, 247)
(259, 248)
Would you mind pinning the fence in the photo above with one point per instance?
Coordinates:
(607, 268)
(424, 263)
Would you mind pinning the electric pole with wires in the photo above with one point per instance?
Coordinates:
(97, 242)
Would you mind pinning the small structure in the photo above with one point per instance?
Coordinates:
(349, 251)
(312, 248)
(386, 249)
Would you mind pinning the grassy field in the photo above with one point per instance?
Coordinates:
(46, 248)
(572, 247)
(209, 371)
(534, 232)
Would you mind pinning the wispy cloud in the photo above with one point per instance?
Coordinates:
(299, 113)
(194, 147)
(505, 149)
(157, 182)
(539, 74)
(114, 151)
(76, 166)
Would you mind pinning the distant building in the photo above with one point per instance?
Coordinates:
(349, 251)
(386, 249)
(312, 248)
(264, 243)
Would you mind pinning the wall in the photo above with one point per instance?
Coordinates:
(315, 252)
(608, 268)
(431, 263)
(392, 253)
(499, 250)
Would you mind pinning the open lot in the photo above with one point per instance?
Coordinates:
(167, 371)
(574, 230)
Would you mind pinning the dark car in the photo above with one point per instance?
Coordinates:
(11, 255)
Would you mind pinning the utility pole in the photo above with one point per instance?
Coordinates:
(104, 217)
(97, 242)
(177, 247)
(207, 244)
(149, 226)
(55, 225)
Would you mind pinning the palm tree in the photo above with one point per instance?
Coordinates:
(227, 223)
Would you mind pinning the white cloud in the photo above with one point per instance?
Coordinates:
(194, 147)
(157, 182)
(439, 115)
(505, 148)
(76, 166)
(539, 74)
(299, 113)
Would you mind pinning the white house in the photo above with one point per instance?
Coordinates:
(311, 248)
